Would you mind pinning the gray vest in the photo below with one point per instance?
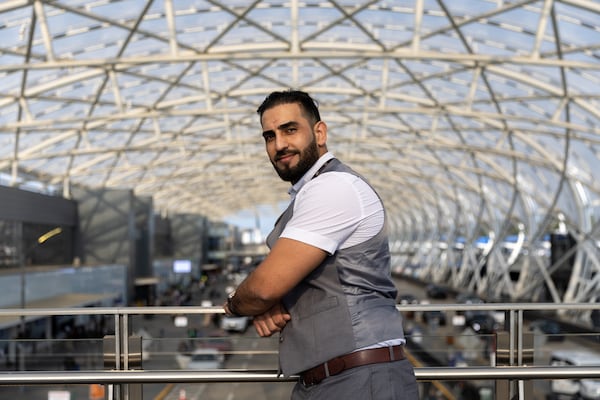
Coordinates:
(346, 303)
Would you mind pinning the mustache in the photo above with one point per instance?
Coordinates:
(281, 154)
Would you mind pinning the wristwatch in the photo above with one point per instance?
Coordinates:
(230, 307)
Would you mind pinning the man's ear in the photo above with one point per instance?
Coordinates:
(320, 130)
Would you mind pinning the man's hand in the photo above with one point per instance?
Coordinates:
(271, 321)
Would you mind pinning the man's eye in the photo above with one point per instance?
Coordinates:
(269, 138)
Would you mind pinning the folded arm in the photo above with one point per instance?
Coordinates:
(259, 295)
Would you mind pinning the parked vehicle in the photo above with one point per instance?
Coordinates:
(223, 343)
(549, 328)
(413, 332)
(575, 388)
(469, 298)
(436, 292)
(202, 358)
(482, 322)
(434, 317)
(234, 324)
(407, 298)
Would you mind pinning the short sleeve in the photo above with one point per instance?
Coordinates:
(328, 210)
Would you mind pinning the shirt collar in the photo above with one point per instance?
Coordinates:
(309, 174)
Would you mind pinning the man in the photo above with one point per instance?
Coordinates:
(325, 285)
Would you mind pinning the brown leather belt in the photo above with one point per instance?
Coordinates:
(336, 365)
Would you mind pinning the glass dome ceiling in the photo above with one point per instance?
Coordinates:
(472, 118)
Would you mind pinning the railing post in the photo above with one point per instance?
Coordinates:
(123, 352)
(514, 348)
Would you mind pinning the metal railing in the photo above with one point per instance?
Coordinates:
(512, 375)
(422, 374)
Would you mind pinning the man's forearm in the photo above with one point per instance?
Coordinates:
(288, 262)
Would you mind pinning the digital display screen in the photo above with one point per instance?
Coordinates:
(182, 266)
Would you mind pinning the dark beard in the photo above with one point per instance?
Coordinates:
(308, 157)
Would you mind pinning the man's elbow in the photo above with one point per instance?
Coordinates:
(268, 297)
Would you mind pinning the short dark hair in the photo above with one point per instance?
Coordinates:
(307, 103)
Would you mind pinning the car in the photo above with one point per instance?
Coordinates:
(413, 332)
(200, 359)
(468, 298)
(482, 322)
(550, 329)
(217, 340)
(436, 292)
(434, 316)
(234, 323)
(407, 298)
(579, 388)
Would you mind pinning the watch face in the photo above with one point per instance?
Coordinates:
(230, 303)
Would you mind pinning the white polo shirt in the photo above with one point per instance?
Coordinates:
(334, 211)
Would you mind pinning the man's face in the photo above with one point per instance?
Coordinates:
(290, 140)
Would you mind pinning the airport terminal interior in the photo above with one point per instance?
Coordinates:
(133, 173)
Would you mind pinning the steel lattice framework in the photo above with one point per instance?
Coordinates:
(472, 118)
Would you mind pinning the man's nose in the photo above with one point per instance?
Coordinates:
(280, 142)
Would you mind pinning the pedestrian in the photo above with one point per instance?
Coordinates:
(325, 285)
